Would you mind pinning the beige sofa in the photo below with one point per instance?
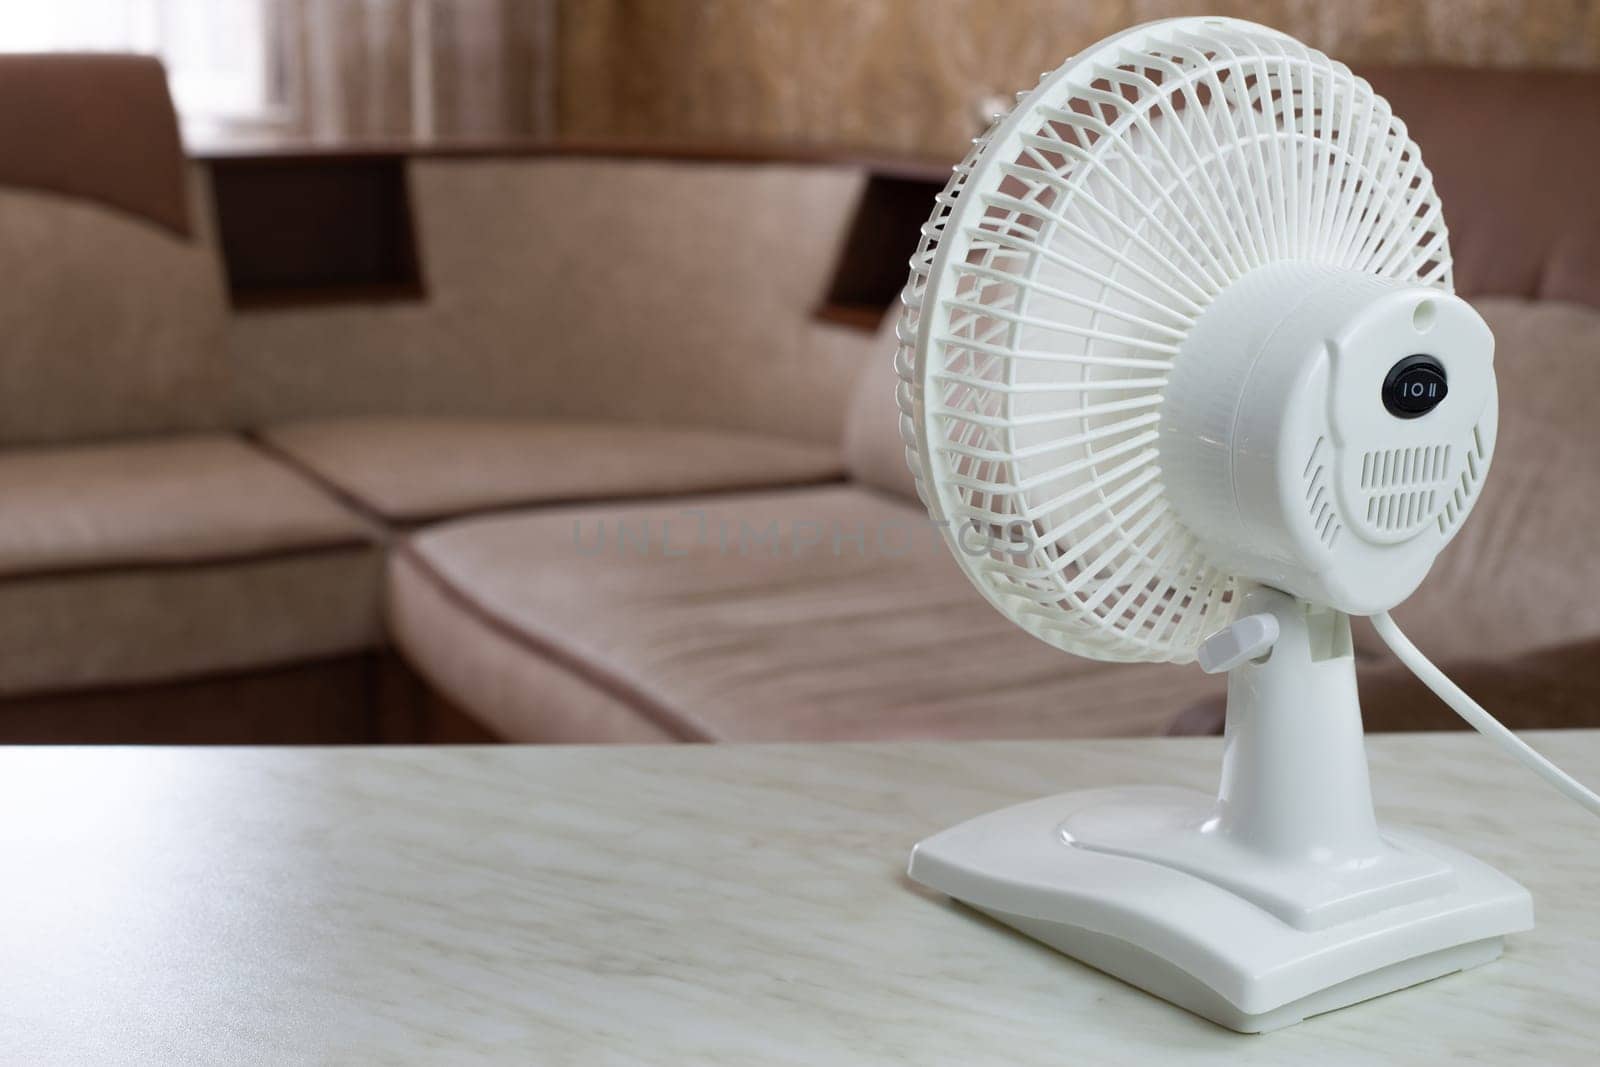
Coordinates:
(198, 500)
(610, 481)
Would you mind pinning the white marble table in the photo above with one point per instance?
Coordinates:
(693, 905)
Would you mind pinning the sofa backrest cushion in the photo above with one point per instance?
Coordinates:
(874, 450)
(658, 290)
(1514, 155)
(111, 305)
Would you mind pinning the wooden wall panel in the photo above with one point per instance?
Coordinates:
(916, 76)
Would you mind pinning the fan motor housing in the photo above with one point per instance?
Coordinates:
(1280, 443)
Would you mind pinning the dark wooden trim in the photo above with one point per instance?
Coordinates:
(864, 317)
(360, 698)
(281, 297)
(407, 710)
(889, 164)
(330, 700)
(444, 722)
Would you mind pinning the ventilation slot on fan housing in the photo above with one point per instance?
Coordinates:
(1466, 488)
(1319, 499)
(1403, 486)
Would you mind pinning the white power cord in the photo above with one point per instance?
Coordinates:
(1476, 717)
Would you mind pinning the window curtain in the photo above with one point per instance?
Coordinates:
(324, 71)
(354, 70)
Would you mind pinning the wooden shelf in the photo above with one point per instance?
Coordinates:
(305, 223)
(864, 317)
(313, 230)
(883, 237)
(257, 149)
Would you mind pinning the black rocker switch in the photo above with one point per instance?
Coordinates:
(1414, 387)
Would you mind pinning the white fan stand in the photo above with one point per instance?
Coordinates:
(1276, 900)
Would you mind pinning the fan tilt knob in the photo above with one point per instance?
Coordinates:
(1245, 639)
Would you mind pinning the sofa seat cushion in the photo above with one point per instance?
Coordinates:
(828, 613)
(172, 500)
(416, 467)
(131, 625)
(166, 559)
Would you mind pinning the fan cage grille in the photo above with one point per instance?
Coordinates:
(1061, 270)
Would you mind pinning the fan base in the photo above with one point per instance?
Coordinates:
(1213, 950)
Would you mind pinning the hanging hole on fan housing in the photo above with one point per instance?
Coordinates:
(1423, 315)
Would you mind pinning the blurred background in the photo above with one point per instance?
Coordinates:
(907, 76)
(446, 370)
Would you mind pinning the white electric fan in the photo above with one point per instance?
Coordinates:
(1183, 377)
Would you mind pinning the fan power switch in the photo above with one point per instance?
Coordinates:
(1414, 387)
